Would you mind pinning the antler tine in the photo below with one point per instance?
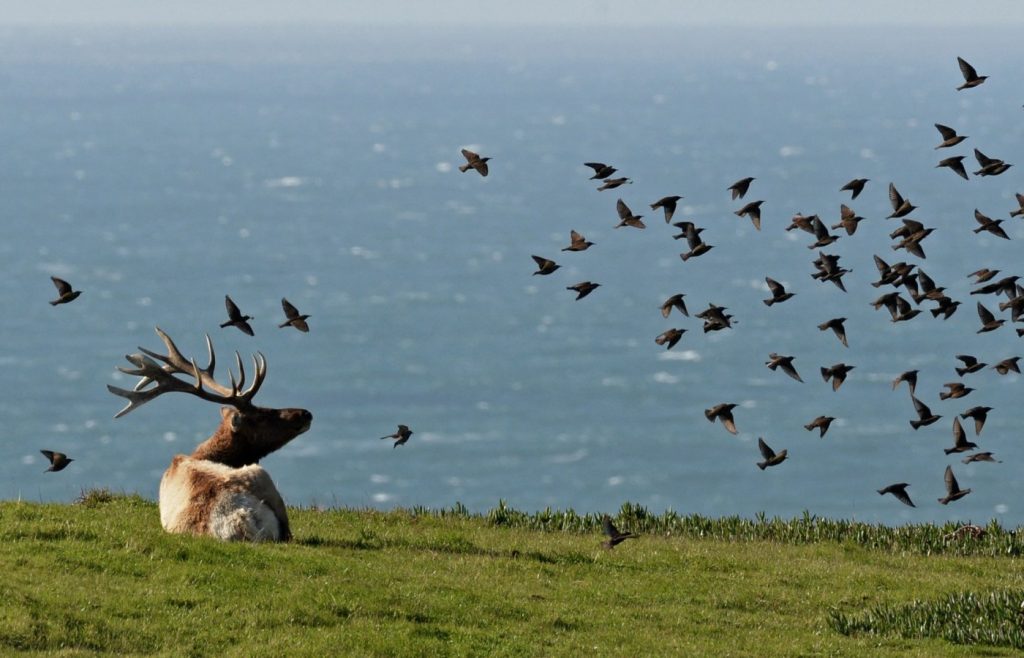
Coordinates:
(260, 367)
(241, 372)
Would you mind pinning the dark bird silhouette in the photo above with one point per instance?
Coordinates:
(971, 77)
(900, 207)
(983, 275)
(955, 390)
(828, 269)
(697, 246)
(674, 302)
(980, 457)
(946, 307)
(715, 318)
(601, 170)
(988, 321)
(1005, 286)
(64, 292)
(474, 161)
(778, 291)
(614, 536)
(626, 216)
(891, 274)
(836, 373)
(960, 442)
(577, 242)
(1007, 365)
(294, 318)
(821, 423)
(979, 414)
(837, 327)
(753, 211)
(904, 311)
(928, 288)
(722, 412)
(235, 317)
(545, 266)
(1019, 211)
(855, 187)
(770, 458)
(986, 223)
(583, 288)
(989, 166)
(899, 490)
(740, 187)
(802, 222)
(401, 436)
(971, 364)
(953, 490)
(956, 163)
(58, 460)
(848, 220)
(925, 416)
(910, 376)
(668, 203)
(785, 363)
(612, 183)
(669, 337)
(949, 136)
(821, 234)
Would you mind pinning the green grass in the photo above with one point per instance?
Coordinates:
(101, 577)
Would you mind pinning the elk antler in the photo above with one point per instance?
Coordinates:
(148, 367)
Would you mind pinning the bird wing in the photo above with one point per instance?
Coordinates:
(540, 260)
(470, 156)
(49, 454)
(913, 226)
(233, 312)
(608, 527)
(894, 197)
(966, 69)
(623, 209)
(775, 287)
(575, 237)
(728, 421)
(596, 166)
(901, 495)
(952, 486)
(63, 287)
(289, 310)
(985, 314)
(922, 409)
(981, 218)
(967, 359)
(945, 131)
(983, 159)
(766, 452)
(959, 437)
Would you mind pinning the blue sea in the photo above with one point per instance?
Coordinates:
(160, 169)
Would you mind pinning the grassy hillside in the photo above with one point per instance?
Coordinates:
(102, 577)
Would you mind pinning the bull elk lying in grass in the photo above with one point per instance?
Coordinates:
(219, 489)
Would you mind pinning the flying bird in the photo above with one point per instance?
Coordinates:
(770, 458)
(986, 223)
(955, 390)
(836, 373)
(739, 188)
(848, 219)
(821, 423)
(235, 317)
(953, 490)
(778, 291)
(836, 325)
(822, 236)
(900, 207)
(910, 376)
(474, 161)
(583, 288)
(669, 337)
(1019, 211)
(980, 457)
(979, 414)
(601, 170)
(58, 460)
(668, 203)
(577, 242)
(615, 537)
(971, 364)
(949, 136)
(401, 436)
(899, 490)
(855, 187)
(626, 216)
(960, 442)
(752, 210)
(545, 266)
(989, 166)
(697, 246)
(674, 302)
(612, 183)
(722, 412)
(924, 414)
(983, 275)
(294, 318)
(785, 362)
(956, 163)
(971, 77)
(988, 321)
(1007, 365)
(64, 292)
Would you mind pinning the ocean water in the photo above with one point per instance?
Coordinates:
(159, 170)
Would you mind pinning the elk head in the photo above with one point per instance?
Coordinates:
(247, 433)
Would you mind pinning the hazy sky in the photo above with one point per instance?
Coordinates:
(554, 12)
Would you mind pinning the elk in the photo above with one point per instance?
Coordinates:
(220, 489)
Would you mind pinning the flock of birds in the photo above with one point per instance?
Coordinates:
(910, 288)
